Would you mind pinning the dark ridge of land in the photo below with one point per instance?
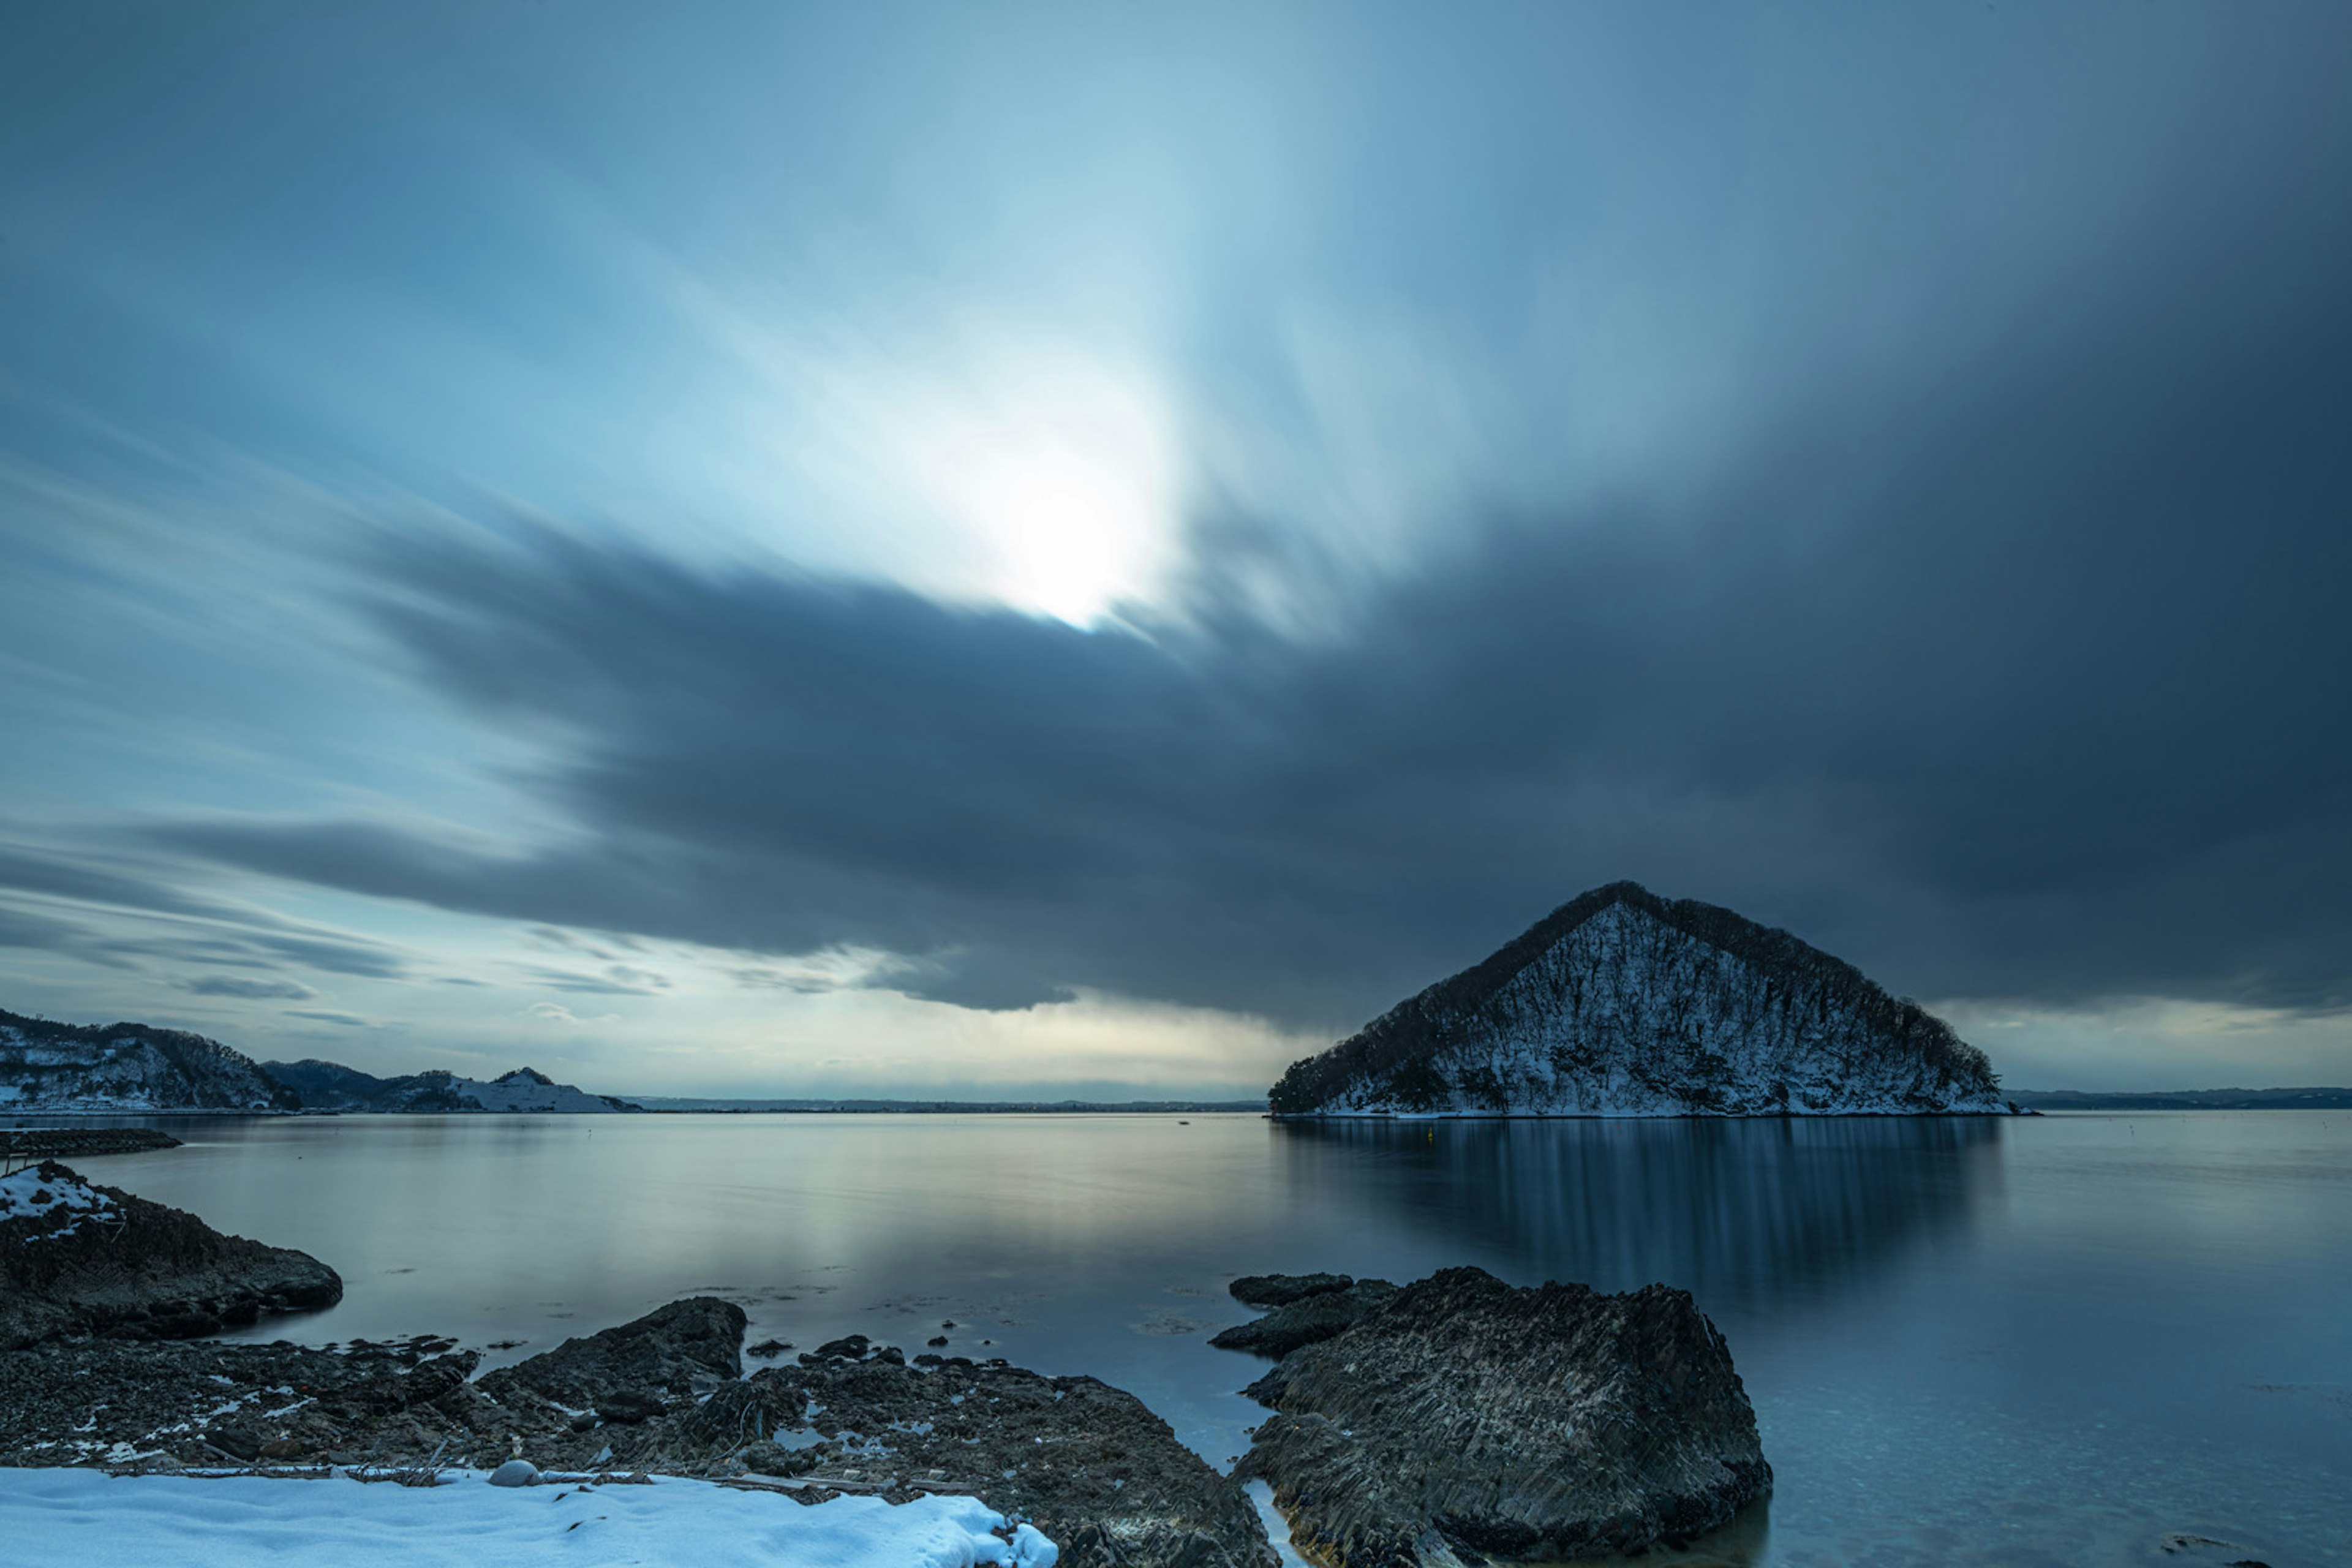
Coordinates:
(2184, 1100)
(73, 1143)
(677, 1104)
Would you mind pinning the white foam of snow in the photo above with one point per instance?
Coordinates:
(87, 1519)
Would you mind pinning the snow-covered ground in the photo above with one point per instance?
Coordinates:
(27, 1194)
(87, 1519)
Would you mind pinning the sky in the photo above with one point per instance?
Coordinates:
(1027, 549)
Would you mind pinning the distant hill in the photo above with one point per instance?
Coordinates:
(46, 1066)
(50, 1066)
(330, 1085)
(2184, 1100)
(1624, 1003)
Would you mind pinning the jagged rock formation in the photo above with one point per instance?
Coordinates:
(331, 1085)
(48, 1066)
(677, 1351)
(76, 1259)
(1464, 1418)
(1624, 1003)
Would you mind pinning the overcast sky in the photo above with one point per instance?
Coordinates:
(1022, 549)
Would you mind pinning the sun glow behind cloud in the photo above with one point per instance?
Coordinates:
(1062, 468)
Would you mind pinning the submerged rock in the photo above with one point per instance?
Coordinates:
(76, 1259)
(1462, 1418)
(1308, 1317)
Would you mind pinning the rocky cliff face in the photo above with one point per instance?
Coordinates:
(46, 1066)
(1624, 1003)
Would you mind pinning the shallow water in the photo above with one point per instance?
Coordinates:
(2048, 1341)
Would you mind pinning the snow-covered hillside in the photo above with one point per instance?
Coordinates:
(1624, 1003)
(48, 1066)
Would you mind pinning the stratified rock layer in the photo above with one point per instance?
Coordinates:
(76, 1259)
(1625, 1003)
(1464, 1417)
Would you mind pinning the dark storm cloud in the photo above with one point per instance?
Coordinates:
(2027, 681)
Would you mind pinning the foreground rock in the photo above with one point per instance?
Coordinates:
(1088, 1464)
(76, 1259)
(1308, 1309)
(1094, 1469)
(634, 1371)
(151, 1405)
(1464, 1418)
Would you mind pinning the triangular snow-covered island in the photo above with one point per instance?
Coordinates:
(1625, 1003)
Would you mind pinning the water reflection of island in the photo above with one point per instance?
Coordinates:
(1738, 1212)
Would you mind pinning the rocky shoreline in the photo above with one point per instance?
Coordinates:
(24, 1144)
(1443, 1424)
(1084, 1462)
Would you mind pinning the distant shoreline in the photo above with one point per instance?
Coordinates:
(2185, 1099)
(661, 1105)
(2311, 1099)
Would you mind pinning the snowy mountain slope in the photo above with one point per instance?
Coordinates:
(48, 1065)
(1624, 1003)
(45, 1066)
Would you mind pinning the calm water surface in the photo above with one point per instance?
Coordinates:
(1969, 1341)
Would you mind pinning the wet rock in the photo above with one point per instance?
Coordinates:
(1464, 1418)
(89, 1260)
(851, 1347)
(236, 1442)
(1308, 1320)
(1282, 1289)
(2192, 1548)
(664, 1350)
(767, 1350)
(628, 1407)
